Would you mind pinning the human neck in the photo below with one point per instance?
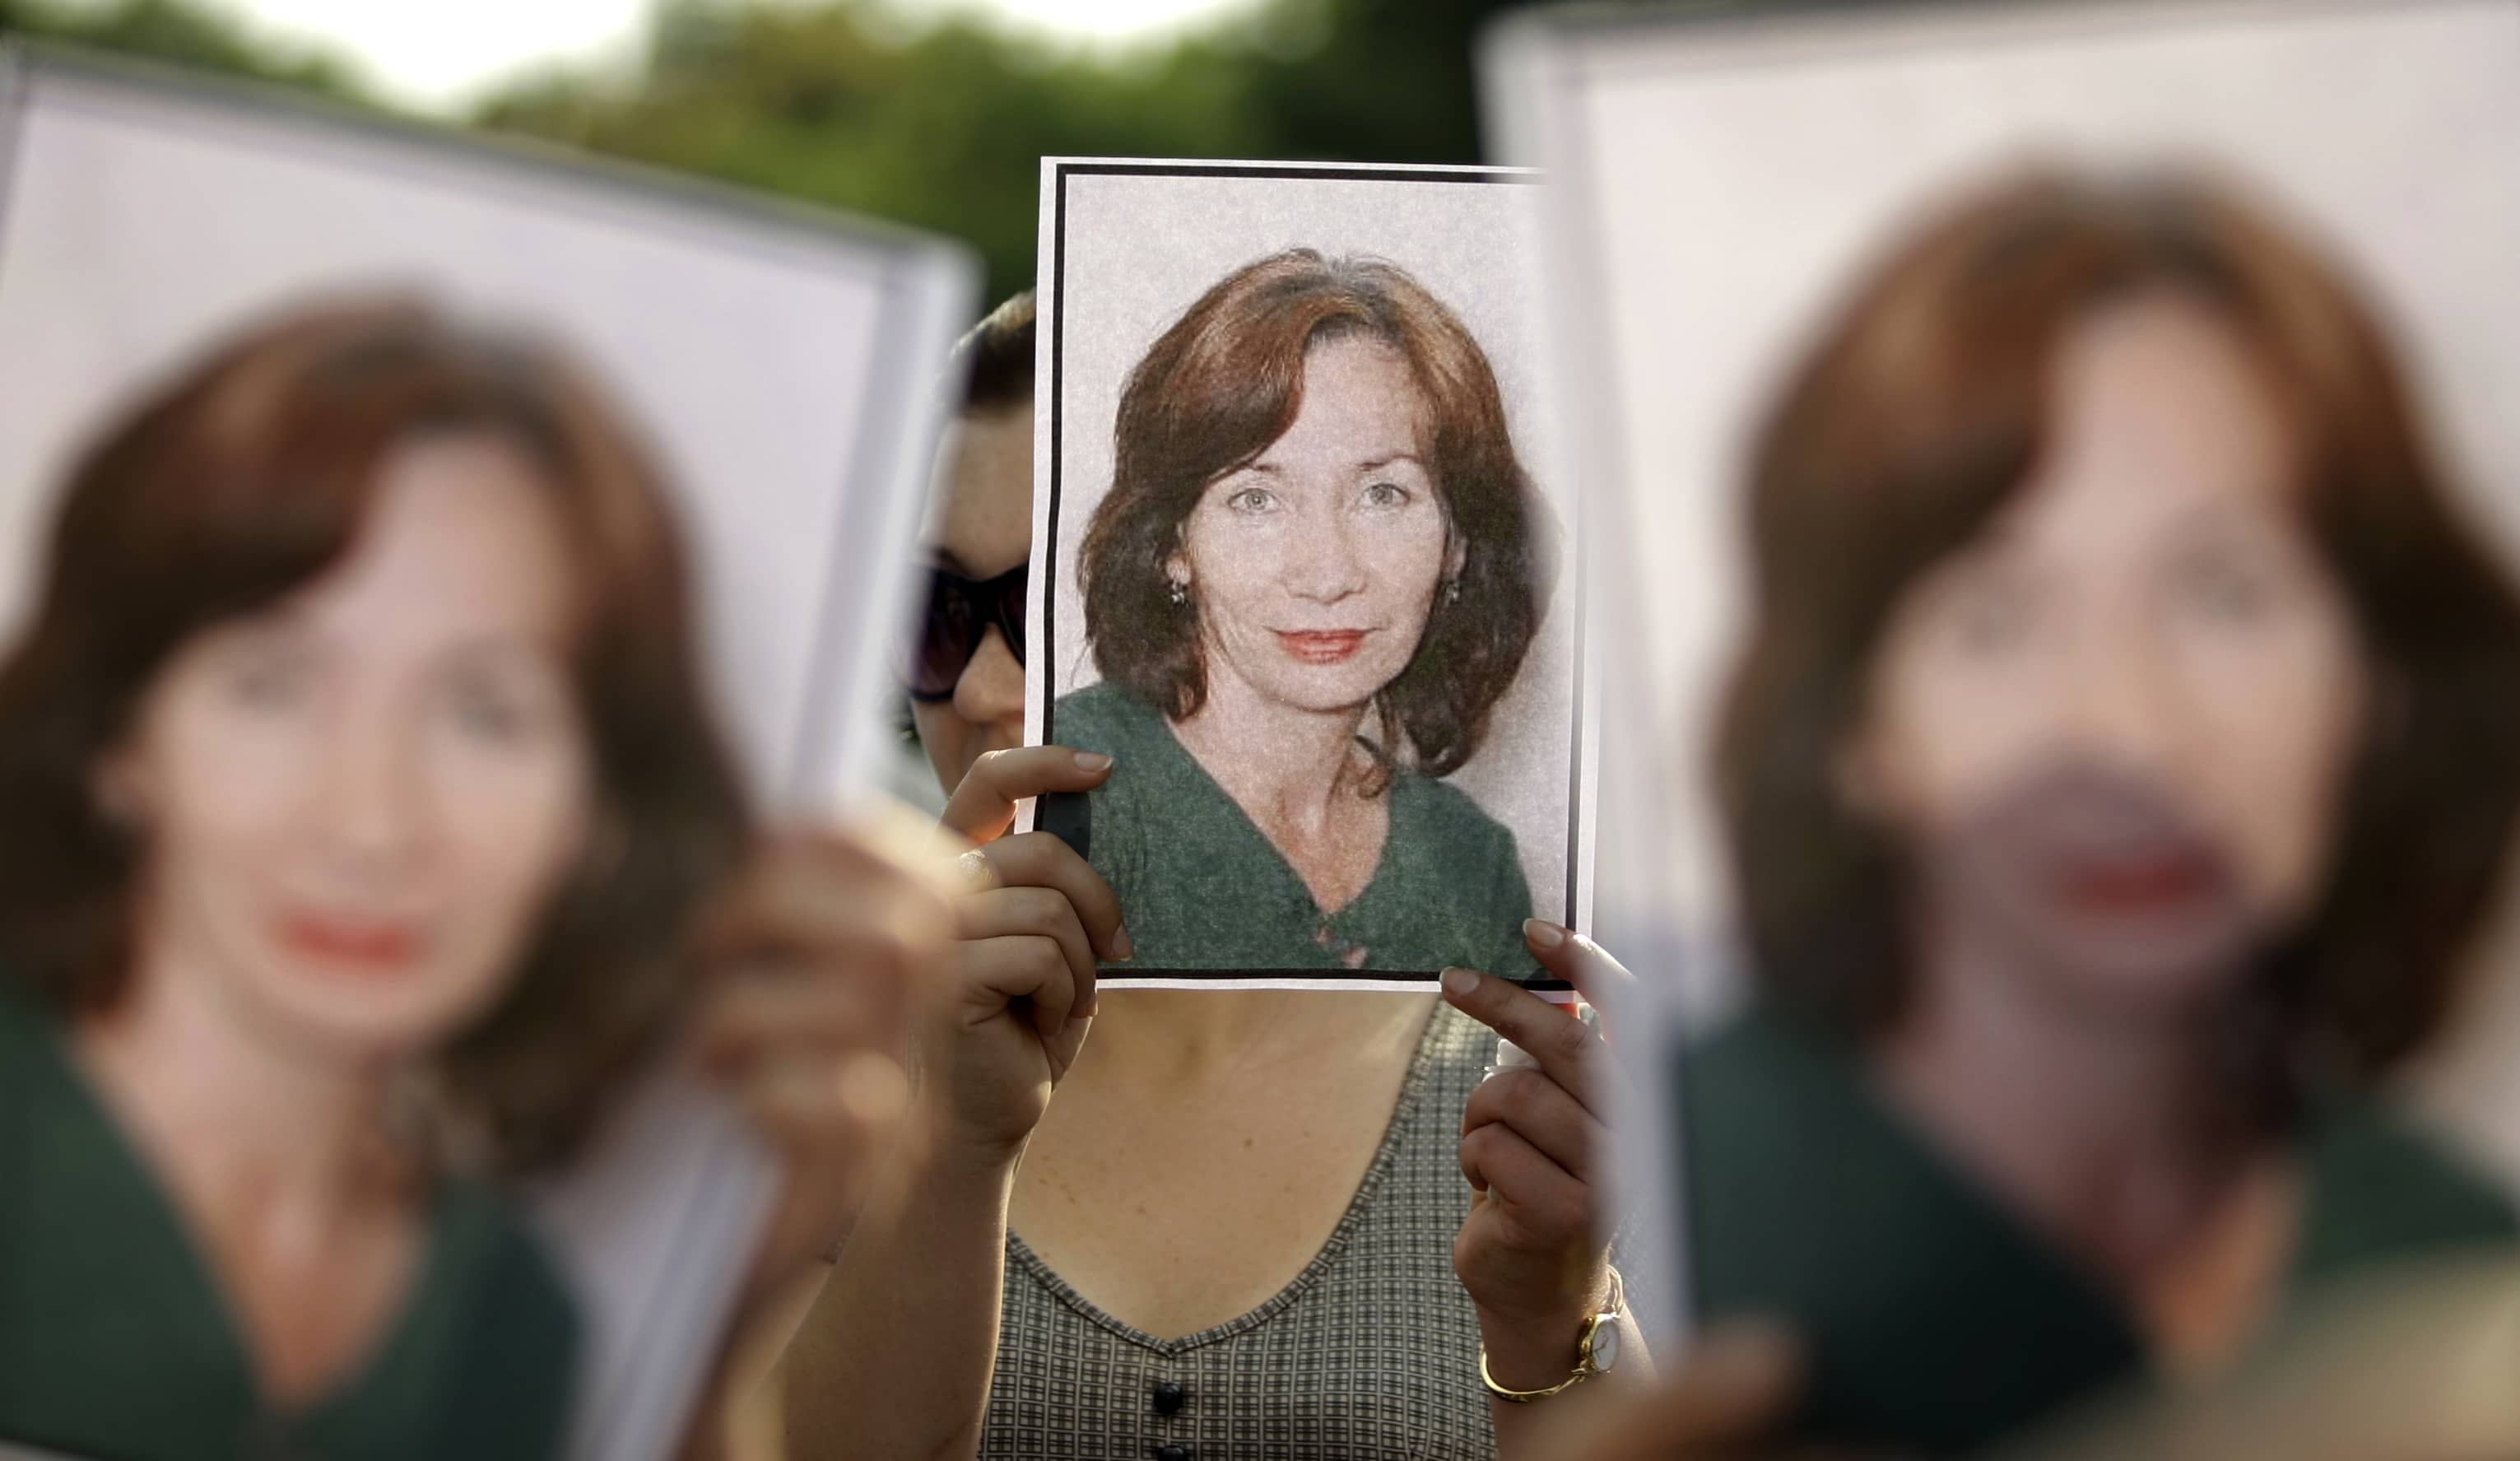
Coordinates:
(1287, 766)
(256, 1141)
(2102, 1126)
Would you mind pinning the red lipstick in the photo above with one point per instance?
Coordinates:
(2135, 885)
(360, 947)
(1322, 646)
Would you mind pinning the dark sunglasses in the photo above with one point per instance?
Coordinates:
(956, 619)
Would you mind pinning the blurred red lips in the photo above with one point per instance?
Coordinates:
(352, 945)
(2153, 883)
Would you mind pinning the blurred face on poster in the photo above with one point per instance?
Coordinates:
(363, 796)
(2119, 676)
(2108, 601)
(359, 719)
(2115, 723)
(356, 803)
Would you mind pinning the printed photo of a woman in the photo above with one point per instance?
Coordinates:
(370, 832)
(1319, 567)
(2116, 770)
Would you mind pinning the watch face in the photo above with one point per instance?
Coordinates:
(1605, 1345)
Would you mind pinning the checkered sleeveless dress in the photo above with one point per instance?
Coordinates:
(1370, 1354)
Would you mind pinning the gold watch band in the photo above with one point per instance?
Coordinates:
(1584, 1369)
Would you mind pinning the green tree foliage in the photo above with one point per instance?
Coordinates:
(943, 128)
(182, 33)
(1373, 80)
(938, 123)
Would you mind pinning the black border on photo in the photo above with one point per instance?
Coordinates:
(1570, 583)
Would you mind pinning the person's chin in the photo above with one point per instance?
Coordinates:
(2159, 964)
(409, 997)
(1329, 696)
(348, 1029)
(1328, 688)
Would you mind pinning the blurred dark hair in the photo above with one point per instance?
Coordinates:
(1225, 381)
(995, 358)
(1918, 414)
(243, 481)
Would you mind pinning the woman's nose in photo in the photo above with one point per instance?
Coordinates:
(2119, 708)
(1321, 563)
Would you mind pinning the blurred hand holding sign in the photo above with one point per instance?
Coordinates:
(778, 364)
(2065, 493)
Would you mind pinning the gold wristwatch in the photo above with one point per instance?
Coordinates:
(1596, 1350)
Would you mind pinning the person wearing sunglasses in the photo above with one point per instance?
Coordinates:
(955, 628)
(963, 666)
(1241, 1228)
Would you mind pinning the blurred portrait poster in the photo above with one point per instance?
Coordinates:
(1305, 567)
(739, 387)
(2065, 506)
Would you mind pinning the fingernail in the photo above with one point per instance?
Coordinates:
(1085, 1010)
(1460, 982)
(1092, 760)
(1541, 934)
(1121, 948)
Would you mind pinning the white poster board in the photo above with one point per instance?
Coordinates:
(1723, 171)
(783, 362)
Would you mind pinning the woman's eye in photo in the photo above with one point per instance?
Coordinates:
(1988, 621)
(2228, 591)
(268, 681)
(488, 718)
(1253, 500)
(1386, 494)
(492, 713)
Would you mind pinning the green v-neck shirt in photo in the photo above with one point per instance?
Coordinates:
(117, 1344)
(1934, 1320)
(1201, 887)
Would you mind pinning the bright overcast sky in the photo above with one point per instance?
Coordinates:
(439, 53)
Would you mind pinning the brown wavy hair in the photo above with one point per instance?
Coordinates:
(1225, 381)
(243, 481)
(1918, 415)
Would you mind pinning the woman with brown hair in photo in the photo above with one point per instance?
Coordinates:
(1238, 1224)
(1316, 527)
(367, 830)
(2117, 767)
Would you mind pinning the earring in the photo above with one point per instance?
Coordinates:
(1177, 592)
(1452, 590)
